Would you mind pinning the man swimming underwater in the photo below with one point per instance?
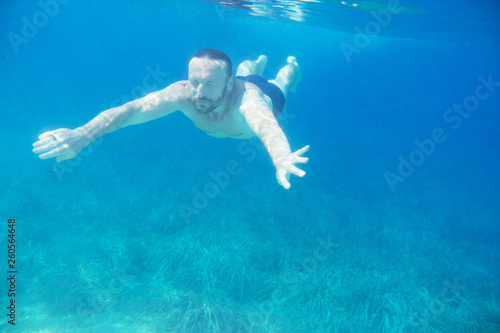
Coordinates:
(219, 104)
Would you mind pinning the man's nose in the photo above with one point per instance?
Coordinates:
(200, 91)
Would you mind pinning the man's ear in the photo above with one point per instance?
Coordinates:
(229, 84)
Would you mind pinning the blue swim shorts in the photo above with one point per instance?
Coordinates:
(269, 89)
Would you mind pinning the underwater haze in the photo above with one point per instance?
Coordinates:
(160, 227)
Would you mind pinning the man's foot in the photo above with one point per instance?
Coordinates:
(252, 67)
(261, 64)
(296, 76)
(288, 77)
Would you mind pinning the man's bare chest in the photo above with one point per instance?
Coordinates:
(230, 124)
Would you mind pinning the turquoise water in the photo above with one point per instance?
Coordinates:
(394, 228)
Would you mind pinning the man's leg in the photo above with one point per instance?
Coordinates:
(288, 77)
(250, 67)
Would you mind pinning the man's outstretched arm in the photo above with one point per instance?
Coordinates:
(65, 143)
(261, 120)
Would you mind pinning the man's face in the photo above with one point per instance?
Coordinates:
(207, 83)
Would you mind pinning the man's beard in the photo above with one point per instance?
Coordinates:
(213, 104)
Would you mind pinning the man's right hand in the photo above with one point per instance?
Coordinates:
(63, 143)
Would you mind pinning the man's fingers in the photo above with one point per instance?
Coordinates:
(44, 146)
(42, 142)
(43, 149)
(302, 150)
(287, 167)
(46, 134)
(283, 179)
(52, 153)
(302, 159)
(284, 182)
(296, 171)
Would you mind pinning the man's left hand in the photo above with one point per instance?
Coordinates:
(287, 166)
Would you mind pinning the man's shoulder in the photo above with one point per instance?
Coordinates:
(241, 87)
(179, 87)
(183, 83)
(177, 91)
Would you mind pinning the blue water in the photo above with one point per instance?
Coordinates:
(394, 228)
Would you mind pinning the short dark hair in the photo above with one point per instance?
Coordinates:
(214, 54)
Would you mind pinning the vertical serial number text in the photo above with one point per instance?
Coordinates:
(11, 270)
